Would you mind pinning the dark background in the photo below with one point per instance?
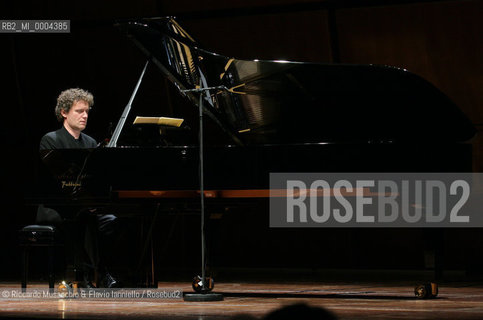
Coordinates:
(439, 40)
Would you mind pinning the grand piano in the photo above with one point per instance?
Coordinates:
(261, 117)
(272, 116)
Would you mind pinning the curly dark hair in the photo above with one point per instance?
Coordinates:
(67, 98)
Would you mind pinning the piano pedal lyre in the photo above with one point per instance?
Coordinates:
(67, 289)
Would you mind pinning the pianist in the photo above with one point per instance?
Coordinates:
(72, 111)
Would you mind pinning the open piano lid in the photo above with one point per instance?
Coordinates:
(272, 102)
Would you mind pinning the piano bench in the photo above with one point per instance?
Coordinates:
(38, 236)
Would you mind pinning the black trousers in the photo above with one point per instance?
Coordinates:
(90, 233)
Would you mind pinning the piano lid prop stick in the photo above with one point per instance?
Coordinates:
(125, 113)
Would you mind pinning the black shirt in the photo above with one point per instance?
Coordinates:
(62, 139)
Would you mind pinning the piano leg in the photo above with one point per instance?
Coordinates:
(434, 251)
(147, 252)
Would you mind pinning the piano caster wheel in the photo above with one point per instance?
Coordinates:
(198, 284)
(426, 290)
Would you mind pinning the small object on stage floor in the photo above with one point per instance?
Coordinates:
(203, 292)
(426, 290)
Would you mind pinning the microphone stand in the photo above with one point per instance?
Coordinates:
(200, 284)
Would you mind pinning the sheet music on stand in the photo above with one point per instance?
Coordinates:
(161, 121)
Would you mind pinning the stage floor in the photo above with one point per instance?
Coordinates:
(349, 300)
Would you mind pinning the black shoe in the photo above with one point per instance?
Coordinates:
(109, 281)
(85, 281)
(86, 284)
